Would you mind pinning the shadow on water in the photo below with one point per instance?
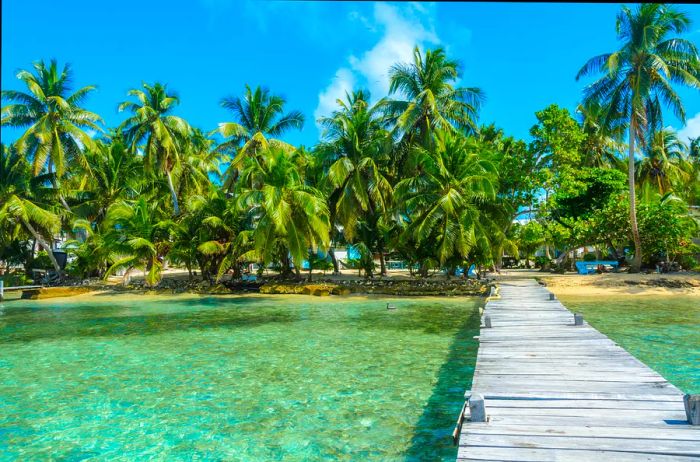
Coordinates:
(432, 439)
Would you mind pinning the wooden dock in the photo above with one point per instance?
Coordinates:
(554, 391)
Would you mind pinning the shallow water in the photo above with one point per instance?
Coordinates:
(661, 331)
(234, 378)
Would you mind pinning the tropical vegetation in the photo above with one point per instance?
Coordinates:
(409, 176)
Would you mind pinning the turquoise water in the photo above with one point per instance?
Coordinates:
(234, 378)
(661, 331)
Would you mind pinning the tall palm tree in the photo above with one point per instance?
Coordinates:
(152, 123)
(443, 200)
(431, 99)
(639, 74)
(260, 119)
(18, 208)
(356, 149)
(55, 122)
(289, 216)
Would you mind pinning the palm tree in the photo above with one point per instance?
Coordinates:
(639, 75)
(163, 133)
(662, 167)
(139, 237)
(259, 115)
(289, 217)
(431, 100)
(356, 150)
(113, 175)
(56, 125)
(18, 208)
(198, 165)
(602, 141)
(443, 200)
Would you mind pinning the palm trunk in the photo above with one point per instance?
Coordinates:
(382, 264)
(43, 244)
(336, 268)
(176, 206)
(637, 261)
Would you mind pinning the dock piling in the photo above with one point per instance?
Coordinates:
(578, 319)
(487, 321)
(692, 408)
(477, 409)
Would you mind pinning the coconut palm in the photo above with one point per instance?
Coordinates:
(603, 138)
(662, 167)
(289, 217)
(639, 74)
(113, 175)
(431, 100)
(260, 119)
(356, 151)
(18, 208)
(54, 120)
(139, 237)
(162, 133)
(443, 199)
(198, 165)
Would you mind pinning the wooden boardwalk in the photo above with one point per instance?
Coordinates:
(558, 392)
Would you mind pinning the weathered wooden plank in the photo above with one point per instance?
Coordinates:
(559, 455)
(599, 442)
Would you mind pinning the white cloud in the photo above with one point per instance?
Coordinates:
(691, 129)
(402, 27)
(343, 82)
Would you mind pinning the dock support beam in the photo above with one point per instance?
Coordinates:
(552, 297)
(487, 321)
(692, 408)
(477, 409)
(578, 319)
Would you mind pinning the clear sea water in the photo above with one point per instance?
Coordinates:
(661, 331)
(234, 378)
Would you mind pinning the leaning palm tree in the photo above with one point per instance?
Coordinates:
(639, 75)
(289, 217)
(260, 119)
(18, 209)
(431, 99)
(152, 123)
(54, 120)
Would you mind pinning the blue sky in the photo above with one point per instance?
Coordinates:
(524, 56)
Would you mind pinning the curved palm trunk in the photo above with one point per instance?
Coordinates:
(43, 244)
(637, 261)
(176, 205)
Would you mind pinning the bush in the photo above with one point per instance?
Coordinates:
(589, 257)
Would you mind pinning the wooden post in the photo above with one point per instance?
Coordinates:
(692, 408)
(578, 319)
(487, 321)
(552, 297)
(477, 409)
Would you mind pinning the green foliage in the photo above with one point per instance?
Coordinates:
(410, 176)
